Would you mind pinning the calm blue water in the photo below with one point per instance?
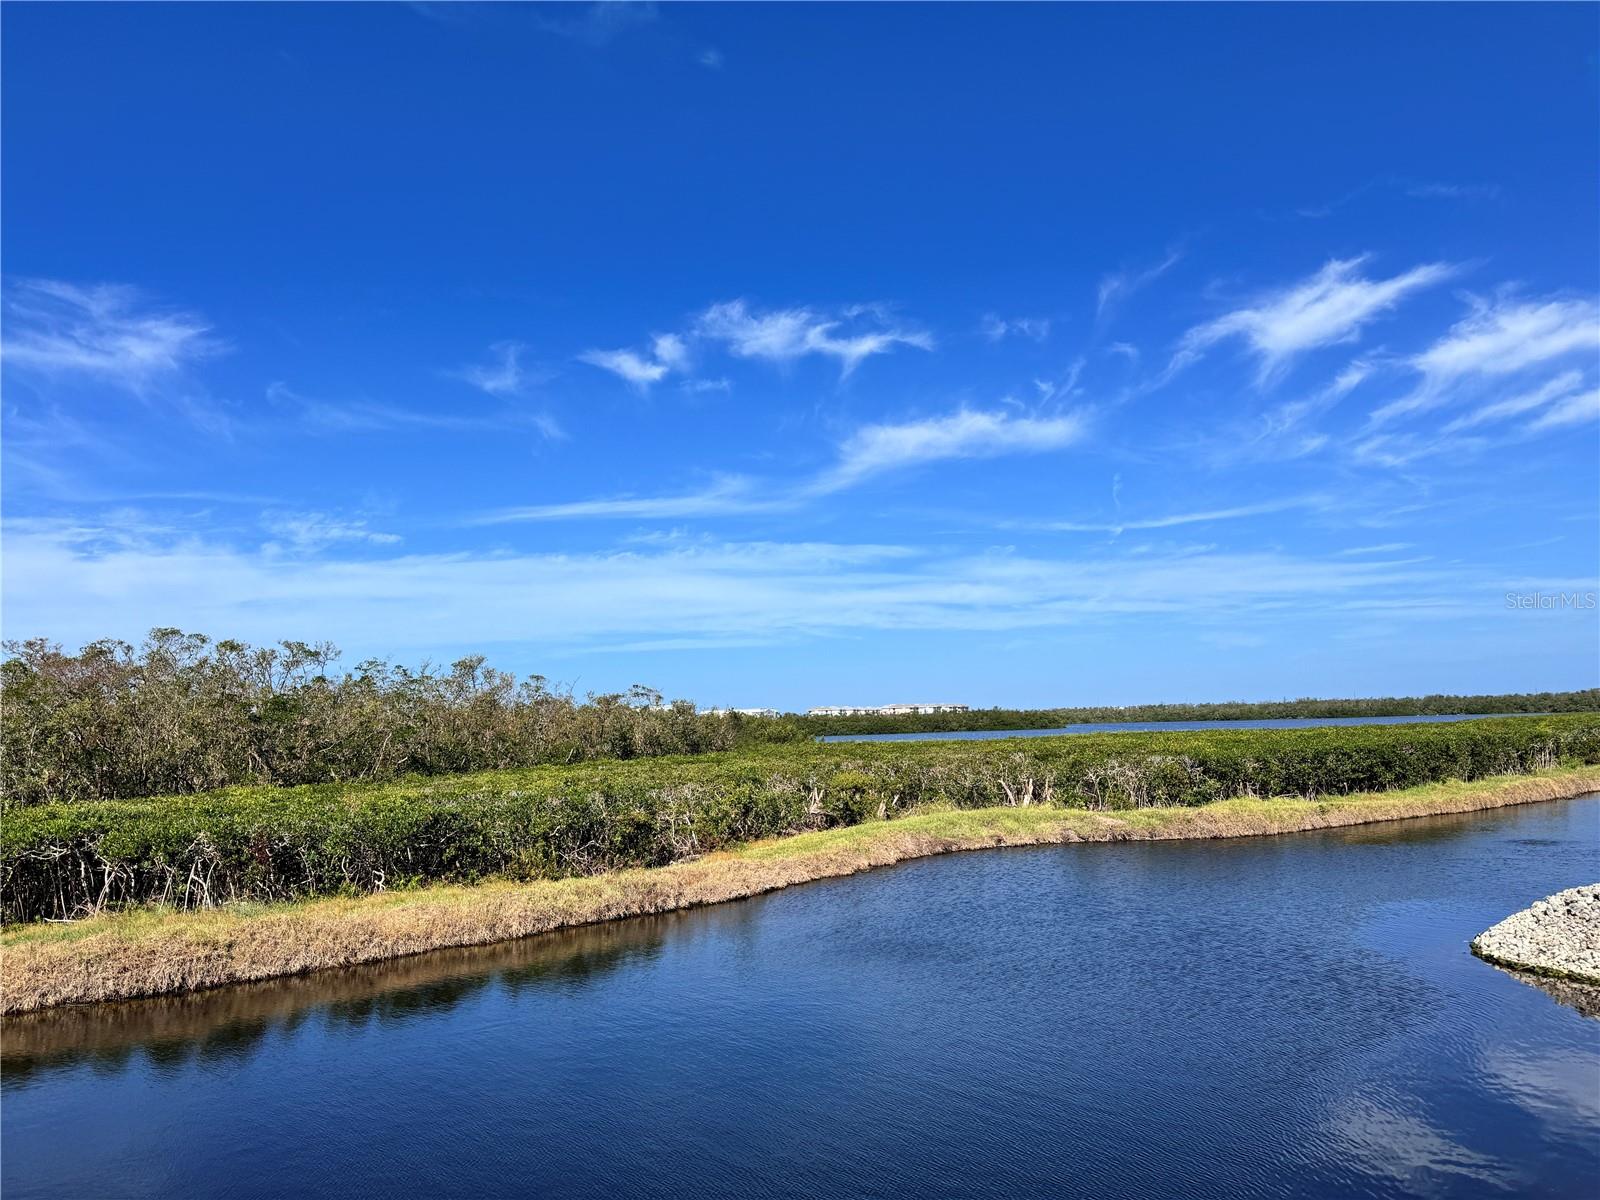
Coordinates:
(1294, 1016)
(1150, 727)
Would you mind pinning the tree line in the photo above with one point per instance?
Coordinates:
(182, 713)
(1239, 710)
(62, 861)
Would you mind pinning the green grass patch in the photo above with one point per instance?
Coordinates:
(267, 845)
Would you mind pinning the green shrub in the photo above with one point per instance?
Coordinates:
(797, 728)
(66, 860)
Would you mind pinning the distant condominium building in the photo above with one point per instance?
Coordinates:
(881, 710)
(743, 712)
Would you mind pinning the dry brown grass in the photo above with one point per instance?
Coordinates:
(156, 952)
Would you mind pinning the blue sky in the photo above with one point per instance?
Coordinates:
(796, 355)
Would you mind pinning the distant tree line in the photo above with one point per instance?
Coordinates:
(182, 713)
(1239, 710)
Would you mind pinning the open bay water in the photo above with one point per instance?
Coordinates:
(1286, 1016)
(980, 735)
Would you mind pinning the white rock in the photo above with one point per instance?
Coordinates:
(1557, 936)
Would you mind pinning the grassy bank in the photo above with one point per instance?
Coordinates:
(151, 952)
(65, 861)
(268, 845)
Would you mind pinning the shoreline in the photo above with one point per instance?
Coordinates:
(148, 952)
(1555, 938)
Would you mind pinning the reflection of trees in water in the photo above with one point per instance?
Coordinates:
(231, 1024)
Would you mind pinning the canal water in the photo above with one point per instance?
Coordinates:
(1289, 1016)
(978, 735)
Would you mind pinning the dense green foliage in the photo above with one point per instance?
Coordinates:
(1056, 718)
(183, 714)
(64, 860)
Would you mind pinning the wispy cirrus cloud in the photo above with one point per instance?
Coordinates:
(630, 365)
(1380, 548)
(684, 592)
(726, 495)
(1416, 189)
(1174, 520)
(1551, 408)
(1561, 386)
(1331, 307)
(1397, 450)
(1574, 410)
(699, 387)
(596, 24)
(668, 353)
(1506, 336)
(1285, 431)
(365, 416)
(1436, 190)
(783, 335)
(504, 375)
(870, 451)
(1118, 286)
(312, 531)
(970, 433)
(1499, 338)
(109, 332)
(997, 328)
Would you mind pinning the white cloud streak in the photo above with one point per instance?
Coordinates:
(997, 328)
(503, 378)
(1329, 308)
(1499, 338)
(1574, 410)
(312, 531)
(105, 331)
(76, 583)
(870, 451)
(668, 354)
(969, 433)
(362, 416)
(639, 371)
(1562, 385)
(1172, 520)
(729, 495)
(1115, 288)
(779, 336)
(784, 335)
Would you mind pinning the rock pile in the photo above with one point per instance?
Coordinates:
(1558, 937)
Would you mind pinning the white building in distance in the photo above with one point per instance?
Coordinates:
(881, 710)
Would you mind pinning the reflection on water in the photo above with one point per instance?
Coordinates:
(1581, 997)
(1275, 1016)
(173, 1030)
(1385, 1140)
